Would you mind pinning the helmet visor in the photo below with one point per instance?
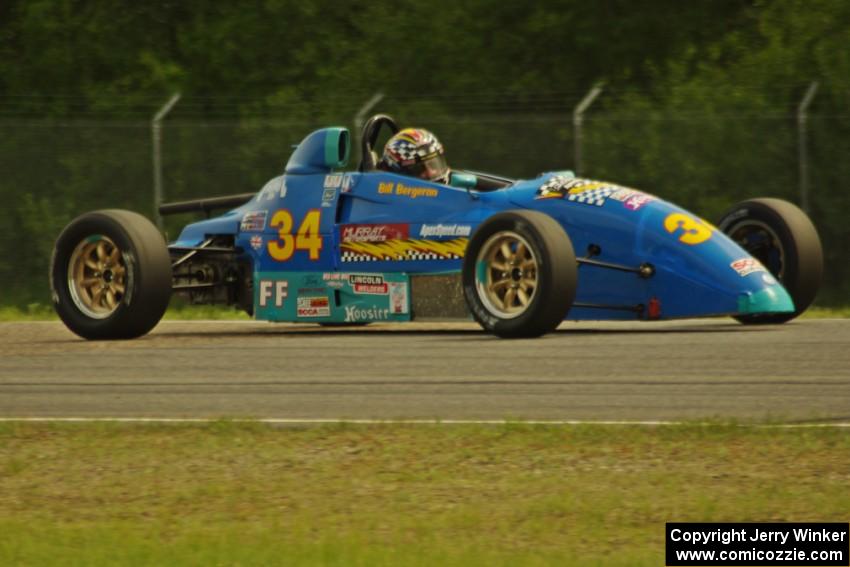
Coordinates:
(433, 168)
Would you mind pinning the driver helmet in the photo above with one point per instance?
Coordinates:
(416, 152)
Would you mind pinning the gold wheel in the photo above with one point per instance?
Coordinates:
(97, 277)
(507, 274)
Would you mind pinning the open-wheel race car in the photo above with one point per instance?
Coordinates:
(321, 245)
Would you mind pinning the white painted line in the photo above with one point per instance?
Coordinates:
(308, 421)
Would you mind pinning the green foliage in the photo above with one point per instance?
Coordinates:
(698, 105)
(233, 493)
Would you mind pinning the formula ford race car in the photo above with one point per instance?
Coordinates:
(350, 248)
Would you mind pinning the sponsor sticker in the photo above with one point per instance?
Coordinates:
(403, 250)
(328, 196)
(309, 290)
(333, 181)
(334, 280)
(747, 266)
(256, 242)
(369, 284)
(631, 198)
(316, 306)
(398, 297)
(356, 313)
(254, 221)
(373, 232)
(441, 230)
(584, 191)
(347, 183)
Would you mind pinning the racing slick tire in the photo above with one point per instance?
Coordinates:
(519, 274)
(110, 275)
(782, 237)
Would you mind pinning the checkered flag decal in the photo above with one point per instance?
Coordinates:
(592, 196)
(408, 151)
(409, 256)
(413, 145)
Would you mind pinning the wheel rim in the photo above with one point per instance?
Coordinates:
(762, 243)
(97, 277)
(506, 275)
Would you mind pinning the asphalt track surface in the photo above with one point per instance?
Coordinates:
(687, 370)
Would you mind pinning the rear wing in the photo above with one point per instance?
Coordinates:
(207, 205)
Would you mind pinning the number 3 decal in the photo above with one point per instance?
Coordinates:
(693, 230)
(307, 237)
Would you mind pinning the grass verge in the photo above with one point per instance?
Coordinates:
(250, 494)
(176, 312)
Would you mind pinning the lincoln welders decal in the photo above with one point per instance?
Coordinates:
(411, 250)
(371, 284)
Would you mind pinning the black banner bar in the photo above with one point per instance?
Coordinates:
(803, 544)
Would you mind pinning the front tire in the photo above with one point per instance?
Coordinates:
(782, 237)
(110, 275)
(519, 274)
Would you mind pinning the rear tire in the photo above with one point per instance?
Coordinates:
(783, 238)
(519, 274)
(110, 275)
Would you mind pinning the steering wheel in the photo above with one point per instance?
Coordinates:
(370, 136)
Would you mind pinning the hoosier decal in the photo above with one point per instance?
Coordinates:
(356, 314)
(396, 250)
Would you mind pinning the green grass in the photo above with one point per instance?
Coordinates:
(827, 312)
(30, 312)
(248, 494)
(176, 312)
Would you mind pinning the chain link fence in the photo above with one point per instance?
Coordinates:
(54, 170)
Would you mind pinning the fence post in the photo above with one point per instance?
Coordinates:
(578, 120)
(156, 134)
(802, 144)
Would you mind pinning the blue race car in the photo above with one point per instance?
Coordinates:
(321, 245)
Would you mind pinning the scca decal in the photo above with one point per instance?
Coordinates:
(691, 230)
